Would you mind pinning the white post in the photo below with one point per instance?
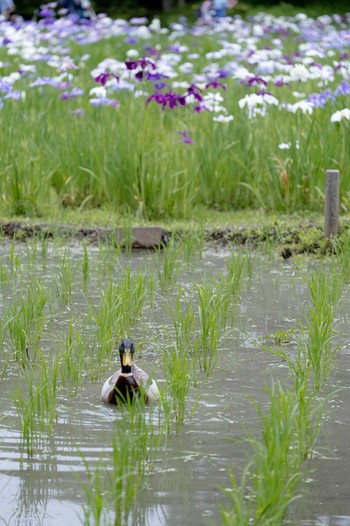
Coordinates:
(332, 203)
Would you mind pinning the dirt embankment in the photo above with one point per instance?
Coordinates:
(286, 239)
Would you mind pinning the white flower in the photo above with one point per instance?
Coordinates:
(340, 115)
(288, 145)
(299, 72)
(66, 64)
(223, 118)
(99, 92)
(140, 93)
(270, 99)
(182, 84)
(155, 25)
(303, 105)
(132, 53)
(186, 67)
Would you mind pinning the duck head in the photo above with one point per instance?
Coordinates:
(126, 352)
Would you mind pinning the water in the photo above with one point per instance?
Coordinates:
(184, 487)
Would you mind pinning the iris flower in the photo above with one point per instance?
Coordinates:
(185, 137)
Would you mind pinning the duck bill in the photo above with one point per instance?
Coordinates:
(127, 358)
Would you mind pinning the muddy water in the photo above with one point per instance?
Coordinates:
(184, 487)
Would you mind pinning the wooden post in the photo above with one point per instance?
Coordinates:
(332, 203)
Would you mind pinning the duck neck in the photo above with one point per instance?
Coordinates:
(126, 370)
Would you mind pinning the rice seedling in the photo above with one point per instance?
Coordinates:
(106, 320)
(127, 240)
(95, 510)
(121, 305)
(309, 406)
(108, 256)
(116, 481)
(269, 482)
(184, 322)
(74, 364)
(86, 268)
(66, 277)
(133, 291)
(177, 368)
(319, 326)
(36, 403)
(192, 246)
(4, 277)
(15, 262)
(26, 319)
(44, 250)
(341, 248)
(167, 264)
(209, 325)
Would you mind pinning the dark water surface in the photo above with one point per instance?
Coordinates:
(184, 488)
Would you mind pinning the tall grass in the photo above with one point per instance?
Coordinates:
(149, 171)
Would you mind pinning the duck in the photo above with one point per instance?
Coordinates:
(125, 383)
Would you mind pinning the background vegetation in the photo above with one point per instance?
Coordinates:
(129, 8)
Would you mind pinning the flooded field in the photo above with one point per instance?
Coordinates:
(44, 479)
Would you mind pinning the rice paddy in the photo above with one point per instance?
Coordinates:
(196, 337)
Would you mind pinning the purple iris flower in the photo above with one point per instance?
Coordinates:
(42, 81)
(264, 92)
(256, 80)
(131, 40)
(78, 112)
(142, 62)
(155, 76)
(174, 48)
(199, 108)
(169, 99)
(73, 94)
(185, 137)
(14, 95)
(159, 86)
(139, 75)
(281, 82)
(101, 101)
(316, 65)
(5, 86)
(61, 85)
(151, 50)
(195, 91)
(103, 77)
(215, 84)
(47, 13)
(319, 99)
(342, 89)
(223, 73)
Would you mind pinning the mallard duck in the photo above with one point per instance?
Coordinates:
(124, 384)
